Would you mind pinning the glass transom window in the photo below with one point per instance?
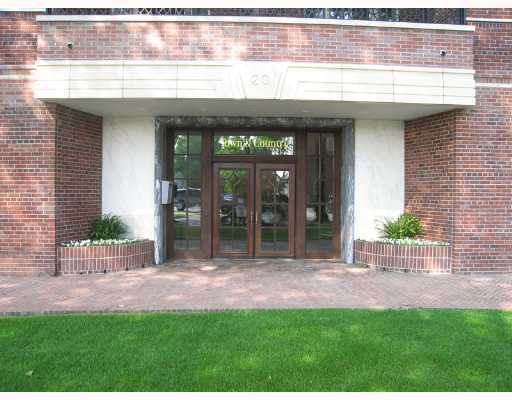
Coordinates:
(254, 144)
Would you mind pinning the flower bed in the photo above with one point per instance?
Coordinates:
(104, 256)
(404, 256)
(100, 242)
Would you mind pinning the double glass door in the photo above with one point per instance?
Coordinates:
(254, 208)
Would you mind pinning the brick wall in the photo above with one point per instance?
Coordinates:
(27, 176)
(50, 160)
(27, 151)
(78, 179)
(464, 158)
(255, 41)
(505, 13)
(480, 184)
(483, 214)
(18, 38)
(458, 168)
(50, 178)
(429, 172)
(493, 48)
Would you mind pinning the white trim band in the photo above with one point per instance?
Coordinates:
(22, 9)
(243, 20)
(490, 20)
(17, 67)
(16, 77)
(253, 80)
(494, 85)
(383, 67)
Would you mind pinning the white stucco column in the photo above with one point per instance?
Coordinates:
(379, 174)
(128, 172)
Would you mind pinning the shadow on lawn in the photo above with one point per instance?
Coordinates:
(313, 350)
(377, 351)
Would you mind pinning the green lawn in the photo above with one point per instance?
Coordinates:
(317, 350)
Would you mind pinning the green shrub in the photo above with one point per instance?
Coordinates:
(107, 227)
(405, 226)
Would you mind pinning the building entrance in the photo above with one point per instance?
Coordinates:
(254, 209)
(254, 194)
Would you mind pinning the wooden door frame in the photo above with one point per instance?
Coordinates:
(215, 215)
(300, 195)
(209, 160)
(203, 251)
(335, 253)
(291, 210)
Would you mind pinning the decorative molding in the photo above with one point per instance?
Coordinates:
(13, 77)
(494, 85)
(244, 20)
(252, 80)
(13, 72)
(376, 67)
(15, 67)
(490, 20)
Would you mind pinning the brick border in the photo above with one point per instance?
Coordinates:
(84, 260)
(403, 258)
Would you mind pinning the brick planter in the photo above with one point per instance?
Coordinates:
(122, 257)
(403, 258)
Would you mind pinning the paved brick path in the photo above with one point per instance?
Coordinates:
(235, 284)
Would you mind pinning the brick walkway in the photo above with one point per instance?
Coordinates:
(251, 284)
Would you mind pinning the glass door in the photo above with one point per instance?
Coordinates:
(233, 210)
(275, 210)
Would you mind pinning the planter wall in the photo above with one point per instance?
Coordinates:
(403, 258)
(122, 257)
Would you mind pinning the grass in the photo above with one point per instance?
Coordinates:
(316, 350)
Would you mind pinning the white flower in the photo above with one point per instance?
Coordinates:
(409, 242)
(101, 242)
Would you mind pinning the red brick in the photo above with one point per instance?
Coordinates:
(254, 42)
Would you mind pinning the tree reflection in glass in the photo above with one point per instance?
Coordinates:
(320, 192)
(232, 209)
(187, 149)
